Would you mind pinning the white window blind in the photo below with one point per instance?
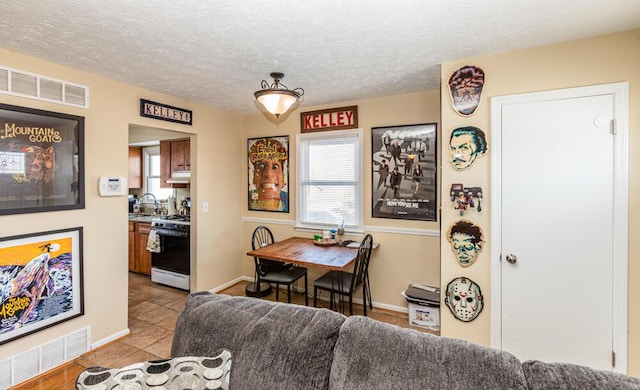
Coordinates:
(330, 179)
(152, 174)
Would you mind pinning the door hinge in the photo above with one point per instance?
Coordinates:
(613, 359)
(612, 126)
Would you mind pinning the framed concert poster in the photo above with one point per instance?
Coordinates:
(268, 173)
(41, 160)
(41, 281)
(404, 181)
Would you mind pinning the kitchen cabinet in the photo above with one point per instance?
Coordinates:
(181, 155)
(175, 155)
(139, 256)
(135, 167)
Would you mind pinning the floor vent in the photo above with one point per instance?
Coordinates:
(29, 364)
(24, 84)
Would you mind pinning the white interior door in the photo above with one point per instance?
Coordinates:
(557, 227)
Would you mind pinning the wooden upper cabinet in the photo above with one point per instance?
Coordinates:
(135, 167)
(181, 155)
(175, 155)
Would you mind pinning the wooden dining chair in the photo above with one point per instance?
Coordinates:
(346, 283)
(276, 272)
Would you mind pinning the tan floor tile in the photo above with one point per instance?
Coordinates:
(153, 317)
(161, 348)
(146, 336)
(137, 357)
(176, 304)
(106, 356)
(142, 309)
(169, 323)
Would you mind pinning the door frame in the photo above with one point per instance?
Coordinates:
(620, 92)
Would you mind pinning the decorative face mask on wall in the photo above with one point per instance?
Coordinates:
(464, 299)
(465, 87)
(465, 146)
(466, 241)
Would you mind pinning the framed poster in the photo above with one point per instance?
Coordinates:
(40, 281)
(268, 173)
(41, 160)
(404, 184)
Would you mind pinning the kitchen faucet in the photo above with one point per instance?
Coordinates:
(155, 201)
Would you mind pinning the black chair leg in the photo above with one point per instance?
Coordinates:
(277, 292)
(288, 293)
(306, 294)
(350, 304)
(315, 297)
(364, 299)
(369, 291)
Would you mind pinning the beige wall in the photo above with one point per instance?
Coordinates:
(217, 143)
(600, 60)
(409, 250)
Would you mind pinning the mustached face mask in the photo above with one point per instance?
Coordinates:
(464, 299)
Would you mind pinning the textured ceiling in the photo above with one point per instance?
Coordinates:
(217, 52)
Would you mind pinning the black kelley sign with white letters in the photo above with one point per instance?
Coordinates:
(165, 112)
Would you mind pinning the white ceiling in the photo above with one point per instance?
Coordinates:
(217, 52)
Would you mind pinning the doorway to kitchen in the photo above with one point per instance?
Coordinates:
(160, 186)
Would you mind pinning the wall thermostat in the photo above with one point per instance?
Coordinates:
(112, 186)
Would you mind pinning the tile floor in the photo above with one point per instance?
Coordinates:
(153, 310)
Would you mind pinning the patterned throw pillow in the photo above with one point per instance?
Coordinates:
(178, 373)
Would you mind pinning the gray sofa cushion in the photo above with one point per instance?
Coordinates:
(373, 355)
(563, 376)
(274, 345)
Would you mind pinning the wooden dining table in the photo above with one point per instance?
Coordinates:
(304, 252)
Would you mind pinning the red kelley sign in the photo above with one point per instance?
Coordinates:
(332, 119)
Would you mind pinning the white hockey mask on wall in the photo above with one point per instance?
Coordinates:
(464, 299)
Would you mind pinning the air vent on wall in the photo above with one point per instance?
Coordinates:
(34, 362)
(24, 84)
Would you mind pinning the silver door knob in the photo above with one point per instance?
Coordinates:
(511, 258)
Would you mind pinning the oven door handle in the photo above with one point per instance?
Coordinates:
(170, 233)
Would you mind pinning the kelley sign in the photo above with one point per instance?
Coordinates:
(165, 112)
(332, 119)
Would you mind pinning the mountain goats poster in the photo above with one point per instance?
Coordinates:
(40, 281)
(41, 160)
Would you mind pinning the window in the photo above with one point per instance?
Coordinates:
(329, 178)
(152, 174)
(12, 163)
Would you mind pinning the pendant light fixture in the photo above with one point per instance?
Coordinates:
(277, 98)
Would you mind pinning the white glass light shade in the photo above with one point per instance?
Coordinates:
(276, 101)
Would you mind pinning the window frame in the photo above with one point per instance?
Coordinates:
(359, 170)
(147, 153)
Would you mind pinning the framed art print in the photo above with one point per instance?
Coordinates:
(404, 172)
(41, 160)
(40, 281)
(268, 173)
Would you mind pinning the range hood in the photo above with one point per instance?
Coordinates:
(180, 177)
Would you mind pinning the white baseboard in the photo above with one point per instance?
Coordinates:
(110, 338)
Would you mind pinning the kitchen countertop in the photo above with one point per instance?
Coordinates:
(140, 217)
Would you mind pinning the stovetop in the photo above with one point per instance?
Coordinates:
(184, 218)
(172, 222)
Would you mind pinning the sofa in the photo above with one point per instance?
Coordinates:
(283, 346)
